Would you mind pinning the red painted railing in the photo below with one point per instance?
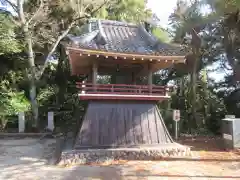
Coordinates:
(122, 89)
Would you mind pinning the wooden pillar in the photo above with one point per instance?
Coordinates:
(89, 78)
(94, 74)
(150, 77)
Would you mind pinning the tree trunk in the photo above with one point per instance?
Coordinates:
(196, 44)
(29, 49)
(193, 98)
(34, 104)
(206, 107)
(61, 78)
(194, 75)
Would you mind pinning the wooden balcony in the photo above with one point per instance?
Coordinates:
(122, 92)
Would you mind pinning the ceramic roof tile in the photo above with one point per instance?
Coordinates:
(115, 36)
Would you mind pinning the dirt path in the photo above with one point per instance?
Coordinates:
(25, 159)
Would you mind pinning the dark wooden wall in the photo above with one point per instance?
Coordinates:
(121, 78)
(122, 124)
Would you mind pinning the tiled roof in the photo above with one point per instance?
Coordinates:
(115, 36)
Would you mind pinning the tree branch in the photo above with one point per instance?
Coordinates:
(37, 12)
(12, 5)
(85, 7)
(54, 48)
(79, 7)
(15, 21)
(63, 35)
(21, 12)
(92, 13)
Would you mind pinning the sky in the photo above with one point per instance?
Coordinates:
(162, 9)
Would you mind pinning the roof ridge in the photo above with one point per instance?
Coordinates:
(102, 36)
(151, 38)
(116, 36)
(114, 22)
(84, 38)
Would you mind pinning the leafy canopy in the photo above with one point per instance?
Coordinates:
(8, 41)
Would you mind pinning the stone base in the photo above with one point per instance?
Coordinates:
(89, 156)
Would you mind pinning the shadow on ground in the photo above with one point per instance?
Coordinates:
(28, 162)
(119, 172)
(94, 172)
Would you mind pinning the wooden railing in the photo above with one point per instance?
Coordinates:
(122, 89)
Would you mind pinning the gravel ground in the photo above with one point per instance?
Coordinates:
(25, 159)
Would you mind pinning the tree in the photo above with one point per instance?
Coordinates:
(12, 101)
(228, 17)
(187, 22)
(227, 37)
(215, 37)
(128, 10)
(8, 42)
(37, 19)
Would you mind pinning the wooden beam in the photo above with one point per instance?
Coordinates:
(177, 59)
(94, 73)
(122, 97)
(150, 77)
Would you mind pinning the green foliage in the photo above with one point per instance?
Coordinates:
(103, 13)
(218, 36)
(210, 108)
(185, 18)
(161, 34)
(224, 6)
(12, 101)
(45, 94)
(227, 13)
(128, 10)
(8, 42)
